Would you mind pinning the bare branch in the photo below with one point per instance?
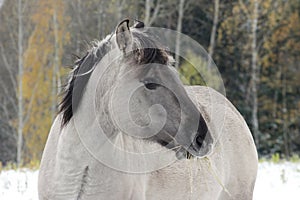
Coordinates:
(3, 107)
(156, 11)
(244, 8)
(8, 95)
(187, 5)
(7, 66)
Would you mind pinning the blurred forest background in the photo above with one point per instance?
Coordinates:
(254, 43)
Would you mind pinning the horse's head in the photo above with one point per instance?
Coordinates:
(148, 100)
(139, 92)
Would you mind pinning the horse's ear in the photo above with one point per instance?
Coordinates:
(123, 36)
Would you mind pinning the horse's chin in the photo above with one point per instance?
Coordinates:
(183, 154)
(192, 152)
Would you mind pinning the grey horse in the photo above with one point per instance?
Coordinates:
(201, 147)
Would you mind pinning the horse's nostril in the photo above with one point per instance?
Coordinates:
(199, 140)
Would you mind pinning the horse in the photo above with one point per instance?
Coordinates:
(128, 128)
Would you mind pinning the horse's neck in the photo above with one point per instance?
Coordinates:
(133, 144)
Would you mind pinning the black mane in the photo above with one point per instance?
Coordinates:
(81, 66)
(92, 57)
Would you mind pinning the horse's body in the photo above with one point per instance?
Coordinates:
(69, 171)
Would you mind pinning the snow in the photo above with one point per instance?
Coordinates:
(18, 185)
(274, 181)
(278, 181)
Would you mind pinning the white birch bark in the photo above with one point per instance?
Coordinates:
(285, 114)
(20, 84)
(179, 29)
(147, 12)
(214, 29)
(150, 18)
(254, 72)
(55, 72)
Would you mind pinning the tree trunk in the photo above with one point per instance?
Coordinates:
(120, 7)
(20, 84)
(284, 114)
(55, 72)
(214, 29)
(101, 21)
(147, 12)
(80, 28)
(150, 18)
(254, 73)
(179, 28)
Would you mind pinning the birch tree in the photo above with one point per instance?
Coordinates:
(150, 17)
(56, 81)
(254, 71)
(253, 15)
(179, 29)
(20, 85)
(214, 29)
(14, 32)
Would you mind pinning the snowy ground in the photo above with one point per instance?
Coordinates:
(18, 185)
(275, 181)
(278, 181)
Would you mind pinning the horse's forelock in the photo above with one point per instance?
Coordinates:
(147, 50)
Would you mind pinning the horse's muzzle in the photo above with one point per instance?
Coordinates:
(201, 145)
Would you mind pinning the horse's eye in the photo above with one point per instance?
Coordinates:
(151, 86)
